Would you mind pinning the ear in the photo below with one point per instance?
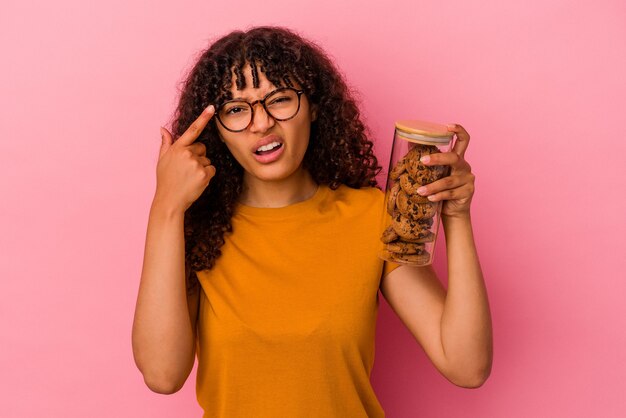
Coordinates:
(313, 113)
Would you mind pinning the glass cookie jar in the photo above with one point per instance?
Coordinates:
(411, 221)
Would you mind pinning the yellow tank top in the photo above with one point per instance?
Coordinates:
(287, 315)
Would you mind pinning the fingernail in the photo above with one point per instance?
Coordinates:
(425, 158)
(421, 190)
(431, 197)
(209, 108)
(451, 126)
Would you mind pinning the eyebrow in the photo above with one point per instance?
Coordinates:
(262, 95)
(248, 99)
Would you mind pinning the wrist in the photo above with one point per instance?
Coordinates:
(464, 216)
(164, 209)
(456, 222)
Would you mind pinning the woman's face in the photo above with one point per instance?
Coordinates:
(292, 135)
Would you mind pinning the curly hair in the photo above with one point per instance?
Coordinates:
(339, 150)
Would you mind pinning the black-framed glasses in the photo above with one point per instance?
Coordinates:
(281, 104)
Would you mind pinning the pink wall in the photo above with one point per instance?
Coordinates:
(539, 85)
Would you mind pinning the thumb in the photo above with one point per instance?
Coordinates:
(166, 141)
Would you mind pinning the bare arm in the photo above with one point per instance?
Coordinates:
(165, 316)
(466, 333)
(453, 326)
(164, 328)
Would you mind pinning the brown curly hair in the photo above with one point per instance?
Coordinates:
(339, 150)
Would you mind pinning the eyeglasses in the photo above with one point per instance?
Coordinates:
(281, 104)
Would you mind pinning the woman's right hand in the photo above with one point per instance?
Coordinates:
(183, 170)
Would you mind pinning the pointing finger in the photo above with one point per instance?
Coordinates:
(196, 128)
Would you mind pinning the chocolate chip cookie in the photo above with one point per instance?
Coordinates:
(414, 207)
(398, 169)
(402, 247)
(407, 258)
(391, 200)
(408, 228)
(389, 235)
(412, 215)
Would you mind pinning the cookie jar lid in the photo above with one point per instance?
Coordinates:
(423, 132)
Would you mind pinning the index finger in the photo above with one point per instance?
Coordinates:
(196, 128)
(462, 138)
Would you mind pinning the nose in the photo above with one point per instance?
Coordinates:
(261, 120)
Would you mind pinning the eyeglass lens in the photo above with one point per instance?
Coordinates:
(281, 105)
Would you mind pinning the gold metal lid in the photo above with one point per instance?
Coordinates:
(424, 131)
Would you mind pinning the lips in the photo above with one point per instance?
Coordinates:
(273, 147)
(266, 149)
(267, 140)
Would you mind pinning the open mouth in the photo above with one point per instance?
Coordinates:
(269, 148)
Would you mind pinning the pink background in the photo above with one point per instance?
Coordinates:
(539, 85)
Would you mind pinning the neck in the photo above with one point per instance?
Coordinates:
(296, 188)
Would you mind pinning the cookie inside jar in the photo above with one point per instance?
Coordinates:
(411, 220)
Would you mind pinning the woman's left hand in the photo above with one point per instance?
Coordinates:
(457, 189)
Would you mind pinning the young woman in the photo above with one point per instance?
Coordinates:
(262, 238)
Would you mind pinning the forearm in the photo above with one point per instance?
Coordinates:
(466, 331)
(163, 336)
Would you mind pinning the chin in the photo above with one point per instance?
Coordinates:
(276, 172)
(272, 175)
